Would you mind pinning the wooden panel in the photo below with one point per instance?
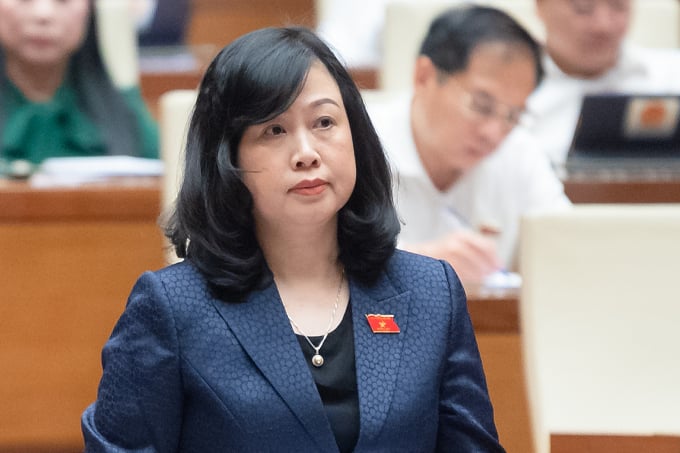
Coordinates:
(221, 21)
(129, 199)
(570, 443)
(44, 448)
(70, 258)
(494, 311)
(66, 284)
(495, 318)
(153, 85)
(502, 359)
(617, 191)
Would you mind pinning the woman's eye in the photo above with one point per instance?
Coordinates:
(325, 122)
(274, 130)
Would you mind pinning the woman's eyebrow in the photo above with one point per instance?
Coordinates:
(322, 101)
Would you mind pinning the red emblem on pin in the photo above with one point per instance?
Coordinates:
(382, 323)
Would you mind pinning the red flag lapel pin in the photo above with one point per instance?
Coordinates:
(382, 323)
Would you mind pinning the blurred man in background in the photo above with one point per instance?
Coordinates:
(465, 172)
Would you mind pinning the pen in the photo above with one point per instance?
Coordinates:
(462, 220)
(490, 229)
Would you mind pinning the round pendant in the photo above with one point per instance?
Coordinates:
(317, 360)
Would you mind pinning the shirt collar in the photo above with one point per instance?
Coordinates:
(628, 64)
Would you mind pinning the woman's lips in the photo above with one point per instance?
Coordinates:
(309, 187)
(41, 42)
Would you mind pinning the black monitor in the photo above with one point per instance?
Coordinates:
(627, 126)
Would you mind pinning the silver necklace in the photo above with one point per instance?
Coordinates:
(317, 358)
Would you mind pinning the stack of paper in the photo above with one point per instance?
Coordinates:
(73, 171)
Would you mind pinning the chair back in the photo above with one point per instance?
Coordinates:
(175, 109)
(600, 317)
(655, 23)
(117, 38)
(406, 23)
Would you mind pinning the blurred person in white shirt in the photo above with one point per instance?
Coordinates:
(464, 171)
(586, 53)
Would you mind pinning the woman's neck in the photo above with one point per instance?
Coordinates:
(309, 280)
(308, 276)
(297, 254)
(37, 83)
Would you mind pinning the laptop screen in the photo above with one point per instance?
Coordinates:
(627, 126)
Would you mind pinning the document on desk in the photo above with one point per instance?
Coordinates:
(503, 280)
(74, 171)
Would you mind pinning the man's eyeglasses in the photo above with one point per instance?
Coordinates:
(486, 107)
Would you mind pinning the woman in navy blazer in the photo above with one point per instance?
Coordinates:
(293, 324)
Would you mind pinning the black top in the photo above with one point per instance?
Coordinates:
(336, 381)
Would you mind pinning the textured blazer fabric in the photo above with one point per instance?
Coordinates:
(185, 372)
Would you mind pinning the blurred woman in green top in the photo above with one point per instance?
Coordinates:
(56, 97)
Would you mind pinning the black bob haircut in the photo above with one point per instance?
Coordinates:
(252, 80)
(454, 35)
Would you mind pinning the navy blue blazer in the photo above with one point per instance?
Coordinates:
(185, 372)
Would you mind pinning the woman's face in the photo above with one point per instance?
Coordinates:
(42, 32)
(300, 166)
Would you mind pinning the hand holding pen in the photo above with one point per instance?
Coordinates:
(470, 249)
(472, 254)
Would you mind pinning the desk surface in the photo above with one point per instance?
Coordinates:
(623, 191)
(587, 443)
(121, 199)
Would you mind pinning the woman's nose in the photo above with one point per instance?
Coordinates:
(43, 8)
(305, 154)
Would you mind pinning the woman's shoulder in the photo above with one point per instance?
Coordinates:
(414, 269)
(179, 291)
(181, 280)
(429, 281)
(403, 258)
(181, 275)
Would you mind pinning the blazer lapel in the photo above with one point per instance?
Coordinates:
(261, 326)
(378, 355)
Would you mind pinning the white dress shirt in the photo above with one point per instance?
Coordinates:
(515, 180)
